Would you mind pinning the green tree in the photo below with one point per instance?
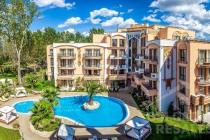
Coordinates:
(51, 95)
(15, 18)
(95, 31)
(92, 88)
(6, 89)
(42, 116)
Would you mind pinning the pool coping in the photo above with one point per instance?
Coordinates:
(75, 122)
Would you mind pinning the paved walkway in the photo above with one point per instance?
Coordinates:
(79, 130)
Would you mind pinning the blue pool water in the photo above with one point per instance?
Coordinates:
(110, 113)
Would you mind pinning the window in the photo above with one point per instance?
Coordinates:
(114, 42)
(63, 62)
(114, 52)
(113, 72)
(63, 52)
(70, 63)
(96, 52)
(51, 51)
(122, 53)
(51, 61)
(122, 42)
(182, 73)
(183, 55)
(70, 72)
(70, 52)
(113, 62)
(88, 52)
(182, 89)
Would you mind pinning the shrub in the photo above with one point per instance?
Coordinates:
(42, 117)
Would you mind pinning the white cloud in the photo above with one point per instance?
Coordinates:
(151, 18)
(130, 10)
(103, 12)
(118, 21)
(127, 23)
(71, 21)
(85, 33)
(189, 14)
(56, 3)
(71, 30)
(112, 22)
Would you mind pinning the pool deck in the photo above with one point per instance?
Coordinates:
(80, 131)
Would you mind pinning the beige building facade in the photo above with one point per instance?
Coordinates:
(193, 78)
(166, 64)
(102, 61)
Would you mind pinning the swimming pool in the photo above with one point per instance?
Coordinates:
(111, 112)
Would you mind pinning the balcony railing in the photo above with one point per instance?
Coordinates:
(153, 58)
(120, 56)
(139, 70)
(200, 99)
(67, 66)
(203, 61)
(148, 89)
(139, 57)
(203, 81)
(92, 55)
(67, 55)
(92, 65)
(152, 75)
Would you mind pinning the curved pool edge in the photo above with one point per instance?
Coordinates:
(74, 121)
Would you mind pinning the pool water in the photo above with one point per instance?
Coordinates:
(110, 113)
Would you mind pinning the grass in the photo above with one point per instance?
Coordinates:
(8, 134)
(174, 128)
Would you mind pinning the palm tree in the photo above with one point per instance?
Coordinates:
(92, 88)
(6, 89)
(51, 95)
(42, 113)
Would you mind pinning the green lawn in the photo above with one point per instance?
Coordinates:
(175, 129)
(8, 134)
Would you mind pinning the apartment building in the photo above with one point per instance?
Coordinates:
(165, 63)
(193, 74)
(102, 61)
(152, 61)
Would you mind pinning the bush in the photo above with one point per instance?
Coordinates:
(42, 117)
(37, 80)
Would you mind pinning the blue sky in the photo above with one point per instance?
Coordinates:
(82, 15)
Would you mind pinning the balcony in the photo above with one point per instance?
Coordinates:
(151, 59)
(203, 62)
(118, 67)
(200, 99)
(148, 89)
(71, 66)
(117, 76)
(92, 66)
(139, 70)
(91, 77)
(65, 77)
(138, 79)
(93, 56)
(139, 57)
(122, 56)
(203, 82)
(150, 75)
(67, 56)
